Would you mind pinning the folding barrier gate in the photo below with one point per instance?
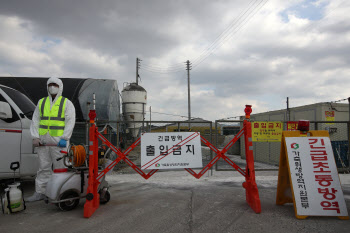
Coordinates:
(93, 199)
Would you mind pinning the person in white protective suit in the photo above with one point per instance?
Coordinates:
(52, 124)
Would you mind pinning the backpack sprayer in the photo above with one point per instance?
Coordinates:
(12, 200)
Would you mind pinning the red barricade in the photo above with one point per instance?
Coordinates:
(92, 199)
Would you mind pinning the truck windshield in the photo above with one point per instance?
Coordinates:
(22, 101)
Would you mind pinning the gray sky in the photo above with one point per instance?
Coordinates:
(254, 52)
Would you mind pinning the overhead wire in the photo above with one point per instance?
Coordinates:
(146, 111)
(177, 65)
(253, 7)
(163, 71)
(330, 12)
(161, 113)
(330, 103)
(172, 68)
(167, 69)
(229, 35)
(336, 101)
(226, 31)
(223, 37)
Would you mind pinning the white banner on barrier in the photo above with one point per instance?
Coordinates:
(172, 150)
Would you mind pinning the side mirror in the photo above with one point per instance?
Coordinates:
(5, 110)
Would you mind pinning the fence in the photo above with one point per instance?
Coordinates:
(119, 134)
(93, 197)
(266, 154)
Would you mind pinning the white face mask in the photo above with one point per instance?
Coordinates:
(53, 90)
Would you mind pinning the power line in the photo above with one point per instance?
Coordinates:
(160, 113)
(226, 31)
(177, 65)
(232, 29)
(168, 69)
(163, 71)
(339, 100)
(331, 12)
(229, 35)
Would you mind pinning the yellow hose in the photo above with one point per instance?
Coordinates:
(79, 155)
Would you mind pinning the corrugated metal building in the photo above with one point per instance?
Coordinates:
(269, 152)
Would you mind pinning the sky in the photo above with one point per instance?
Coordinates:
(256, 52)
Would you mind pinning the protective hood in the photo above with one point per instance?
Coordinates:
(58, 82)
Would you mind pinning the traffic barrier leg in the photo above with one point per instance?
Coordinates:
(252, 193)
(92, 198)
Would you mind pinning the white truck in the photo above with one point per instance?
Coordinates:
(16, 112)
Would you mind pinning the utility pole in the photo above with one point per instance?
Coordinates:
(349, 130)
(150, 118)
(349, 109)
(188, 68)
(138, 64)
(288, 110)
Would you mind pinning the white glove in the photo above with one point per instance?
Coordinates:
(36, 142)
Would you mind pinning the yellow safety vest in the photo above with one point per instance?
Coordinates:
(52, 120)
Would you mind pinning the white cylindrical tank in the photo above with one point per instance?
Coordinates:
(134, 99)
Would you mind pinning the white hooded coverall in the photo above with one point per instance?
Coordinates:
(49, 154)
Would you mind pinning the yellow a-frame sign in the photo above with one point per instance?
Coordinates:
(308, 176)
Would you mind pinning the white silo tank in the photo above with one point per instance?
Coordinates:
(134, 98)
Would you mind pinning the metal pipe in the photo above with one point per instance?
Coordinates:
(288, 110)
(349, 134)
(211, 141)
(189, 94)
(137, 71)
(87, 126)
(143, 117)
(118, 135)
(216, 140)
(94, 101)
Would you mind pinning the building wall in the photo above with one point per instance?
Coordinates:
(268, 152)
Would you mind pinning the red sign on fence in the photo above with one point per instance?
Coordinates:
(292, 125)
